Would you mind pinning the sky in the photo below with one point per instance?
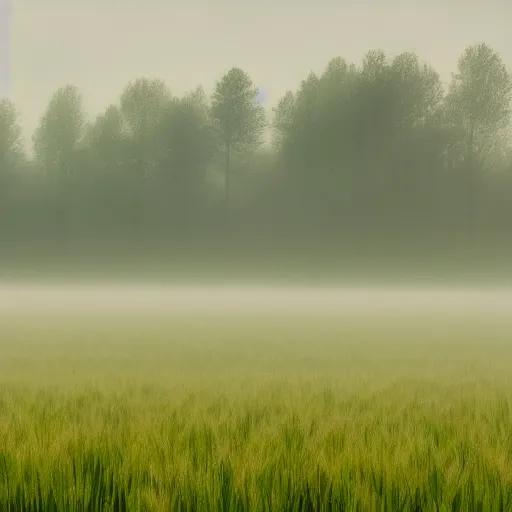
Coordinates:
(100, 45)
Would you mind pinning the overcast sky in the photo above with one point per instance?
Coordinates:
(100, 45)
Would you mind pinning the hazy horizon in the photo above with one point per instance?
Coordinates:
(96, 297)
(190, 320)
(100, 47)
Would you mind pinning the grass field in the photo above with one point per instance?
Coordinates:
(255, 412)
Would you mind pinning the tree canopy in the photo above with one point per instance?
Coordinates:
(364, 158)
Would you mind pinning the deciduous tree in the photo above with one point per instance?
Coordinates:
(240, 121)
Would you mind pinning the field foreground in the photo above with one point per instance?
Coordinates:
(255, 411)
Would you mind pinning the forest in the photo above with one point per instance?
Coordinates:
(367, 162)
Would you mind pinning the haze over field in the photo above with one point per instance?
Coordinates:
(324, 140)
(136, 301)
(300, 409)
(256, 256)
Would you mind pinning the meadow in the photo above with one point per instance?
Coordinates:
(282, 411)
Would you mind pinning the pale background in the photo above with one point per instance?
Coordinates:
(99, 45)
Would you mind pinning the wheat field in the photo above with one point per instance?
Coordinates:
(190, 411)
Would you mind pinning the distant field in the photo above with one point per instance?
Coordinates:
(369, 403)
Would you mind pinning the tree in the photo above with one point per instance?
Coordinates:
(393, 103)
(184, 148)
(104, 185)
(240, 121)
(57, 151)
(60, 131)
(478, 103)
(186, 143)
(104, 139)
(11, 144)
(283, 119)
(11, 158)
(298, 126)
(418, 89)
(142, 106)
(478, 114)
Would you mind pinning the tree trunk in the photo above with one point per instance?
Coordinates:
(227, 184)
(471, 170)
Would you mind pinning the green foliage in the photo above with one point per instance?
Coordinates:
(186, 142)
(141, 105)
(239, 119)
(104, 139)
(60, 131)
(12, 160)
(283, 118)
(478, 103)
(364, 158)
(11, 146)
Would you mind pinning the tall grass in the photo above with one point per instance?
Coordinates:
(265, 416)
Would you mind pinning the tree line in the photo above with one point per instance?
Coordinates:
(369, 159)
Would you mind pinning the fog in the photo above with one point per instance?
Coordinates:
(137, 300)
(325, 143)
(255, 254)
